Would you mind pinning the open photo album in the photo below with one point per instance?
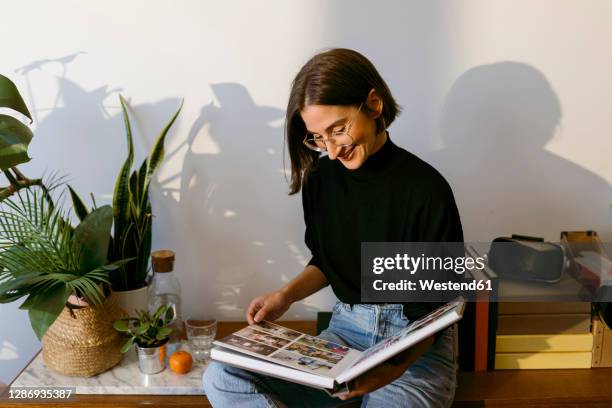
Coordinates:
(274, 350)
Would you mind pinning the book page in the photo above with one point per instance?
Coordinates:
(388, 342)
(291, 348)
(418, 330)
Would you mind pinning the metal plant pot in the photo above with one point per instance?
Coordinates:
(151, 360)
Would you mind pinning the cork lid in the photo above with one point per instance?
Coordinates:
(162, 260)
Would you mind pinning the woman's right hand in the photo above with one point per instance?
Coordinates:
(269, 307)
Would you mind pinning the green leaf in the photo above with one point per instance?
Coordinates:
(122, 194)
(46, 307)
(128, 344)
(132, 210)
(13, 295)
(88, 286)
(91, 236)
(14, 287)
(163, 333)
(169, 315)
(38, 233)
(134, 187)
(10, 297)
(145, 246)
(28, 302)
(120, 326)
(157, 154)
(80, 208)
(142, 328)
(116, 265)
(142, 171)
(14, 140)
(160, 311)
(11, 98)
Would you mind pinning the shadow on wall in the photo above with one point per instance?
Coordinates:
(230, 199)
(225, 210)
(496, 123)
(81, 135)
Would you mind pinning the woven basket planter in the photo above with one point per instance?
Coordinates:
(82, 341)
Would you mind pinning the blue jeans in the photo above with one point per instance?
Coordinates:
(429, 382)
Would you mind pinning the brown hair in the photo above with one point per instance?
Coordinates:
(335, 77)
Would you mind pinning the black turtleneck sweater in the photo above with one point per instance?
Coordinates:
(393, 197)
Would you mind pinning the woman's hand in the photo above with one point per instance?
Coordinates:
(275, 304)
(268, 307)
(386, 372)
(373, 379)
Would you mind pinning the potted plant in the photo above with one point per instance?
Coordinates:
(132, 217)
(62, 270)
(149, 333)
(47, 260)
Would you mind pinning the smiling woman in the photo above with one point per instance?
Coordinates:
(364, 189)
(337, 91)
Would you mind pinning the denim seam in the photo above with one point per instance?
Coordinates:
(403, 316)
(376, 324)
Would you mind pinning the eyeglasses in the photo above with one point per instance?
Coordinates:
(339, 138)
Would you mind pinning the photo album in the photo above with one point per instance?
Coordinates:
(274, 350)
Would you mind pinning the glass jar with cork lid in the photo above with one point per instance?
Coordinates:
(166, 290)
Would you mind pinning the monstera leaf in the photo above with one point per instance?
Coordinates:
(14, 135)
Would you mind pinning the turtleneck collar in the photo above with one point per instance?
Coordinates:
(377, 162)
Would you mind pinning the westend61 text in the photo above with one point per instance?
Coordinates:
(429, 284)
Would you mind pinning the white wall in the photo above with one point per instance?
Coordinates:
(509, 99)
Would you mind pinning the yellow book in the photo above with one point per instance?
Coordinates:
(602, 344)
(526, 343)
(512, 361)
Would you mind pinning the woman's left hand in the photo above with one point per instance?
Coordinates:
(373, 379)
(386, 372)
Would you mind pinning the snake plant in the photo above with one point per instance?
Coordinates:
(132, 215)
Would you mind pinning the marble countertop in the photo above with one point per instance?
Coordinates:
(125, 378)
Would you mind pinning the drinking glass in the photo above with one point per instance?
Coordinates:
(201, 331)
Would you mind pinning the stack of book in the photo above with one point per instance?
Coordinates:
(540, 335)
(602, 344)
(522, 332)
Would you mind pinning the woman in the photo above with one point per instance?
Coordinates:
(365, 189)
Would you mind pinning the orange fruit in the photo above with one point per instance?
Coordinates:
(180, 362)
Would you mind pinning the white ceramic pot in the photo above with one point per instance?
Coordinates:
(133, 300)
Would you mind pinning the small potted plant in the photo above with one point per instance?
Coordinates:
(149, 333)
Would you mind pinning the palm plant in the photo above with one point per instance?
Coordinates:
(46, 259)
(132, 212)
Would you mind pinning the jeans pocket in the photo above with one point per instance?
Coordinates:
(338, 306)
